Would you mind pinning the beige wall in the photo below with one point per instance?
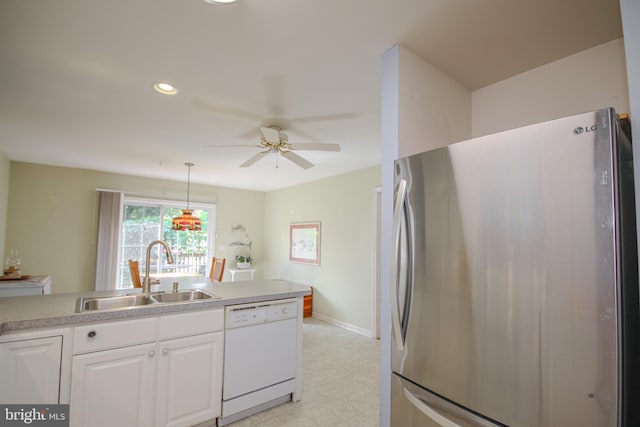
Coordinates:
(5, 168)
(343, 282)
(589, 80)
(52, 215)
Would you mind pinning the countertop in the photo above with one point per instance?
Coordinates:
(29, 312)
(28, 282)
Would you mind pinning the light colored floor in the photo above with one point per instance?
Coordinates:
(340, 382)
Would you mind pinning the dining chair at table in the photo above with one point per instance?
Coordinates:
(134, 269)
(217, 269)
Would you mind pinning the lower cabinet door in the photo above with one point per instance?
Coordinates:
(30, 370)
(190, 380)
(114, 387)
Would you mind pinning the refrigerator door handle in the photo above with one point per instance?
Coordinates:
(395, 238)
(428, 411)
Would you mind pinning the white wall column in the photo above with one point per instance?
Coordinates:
(421, 109)
(389, 132)
(630, 10)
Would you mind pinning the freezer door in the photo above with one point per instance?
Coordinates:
(513, 275)
(413, 406)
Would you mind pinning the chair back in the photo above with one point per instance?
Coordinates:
(217, 269)
(135, 273)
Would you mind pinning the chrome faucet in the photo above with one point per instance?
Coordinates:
(146, 284)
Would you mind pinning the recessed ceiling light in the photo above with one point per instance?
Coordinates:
(219, 1)
(165, 88)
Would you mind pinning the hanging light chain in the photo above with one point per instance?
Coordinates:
(188, 181)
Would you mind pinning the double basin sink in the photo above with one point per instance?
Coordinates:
(137, 300)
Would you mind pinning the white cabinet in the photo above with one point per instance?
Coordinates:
(161, 371)
(113, 387)
(35, 366)
(190, 380)
(30, 370)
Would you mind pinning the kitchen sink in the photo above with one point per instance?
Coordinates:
(137, 300)
(189, 295)
(109, 303)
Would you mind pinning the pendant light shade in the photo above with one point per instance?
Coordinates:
(186, 221)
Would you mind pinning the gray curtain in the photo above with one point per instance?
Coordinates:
(109, 219)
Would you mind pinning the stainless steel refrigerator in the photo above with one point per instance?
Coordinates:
(514, 280)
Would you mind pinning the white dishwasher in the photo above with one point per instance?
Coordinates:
(260, 357)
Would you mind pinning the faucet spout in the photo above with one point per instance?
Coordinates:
(146, 284)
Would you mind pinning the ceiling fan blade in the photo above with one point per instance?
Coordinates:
(252, 134)
(271, 135)
(231, 145)
(300, 161)
(274, 92)
(315, 146)
(325, 118)
(222, 109)
(254, 159)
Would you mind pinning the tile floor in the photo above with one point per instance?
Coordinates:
(340, 382)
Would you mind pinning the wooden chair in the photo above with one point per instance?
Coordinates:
(217, 269)
(135, 273)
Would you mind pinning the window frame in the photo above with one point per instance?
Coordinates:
(163, 204)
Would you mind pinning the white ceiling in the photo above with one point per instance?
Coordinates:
(76, 76)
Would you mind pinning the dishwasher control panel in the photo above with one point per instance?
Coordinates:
(241, 315)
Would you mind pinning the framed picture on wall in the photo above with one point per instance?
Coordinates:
(304, 242)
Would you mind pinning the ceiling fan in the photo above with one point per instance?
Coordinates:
(273, 140)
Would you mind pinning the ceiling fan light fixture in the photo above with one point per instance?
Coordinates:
(186, 221)
(165, 88)
(273, 141)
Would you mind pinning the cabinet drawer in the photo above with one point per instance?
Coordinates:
(102, 336)
(193, 323)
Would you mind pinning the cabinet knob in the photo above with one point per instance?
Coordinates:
(92, 334)
(152, 353)
(165, 351)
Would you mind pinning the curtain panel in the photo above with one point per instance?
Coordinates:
(109, 221)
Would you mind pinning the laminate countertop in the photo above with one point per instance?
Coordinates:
(30, 312)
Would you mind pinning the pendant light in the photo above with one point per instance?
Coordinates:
(186, 221)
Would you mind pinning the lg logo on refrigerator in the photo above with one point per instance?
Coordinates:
(580, 130)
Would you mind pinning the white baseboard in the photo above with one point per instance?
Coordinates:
(343, 325)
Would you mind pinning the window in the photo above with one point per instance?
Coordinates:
(144, 221)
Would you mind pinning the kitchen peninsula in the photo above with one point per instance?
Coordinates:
(168, 354)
